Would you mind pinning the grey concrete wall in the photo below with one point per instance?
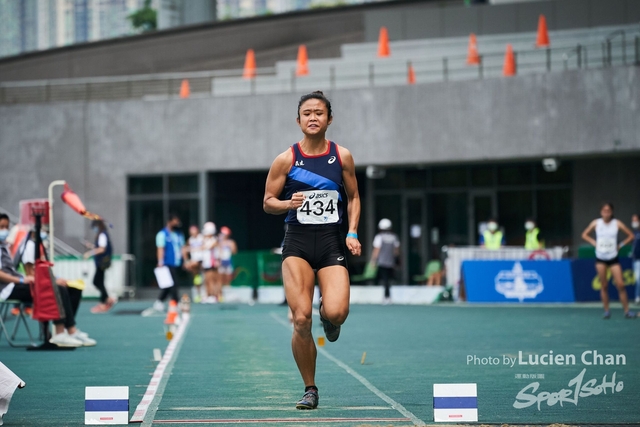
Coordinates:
(96, 145)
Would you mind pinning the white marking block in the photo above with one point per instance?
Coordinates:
(270, 294)
(106, 405)
(455, 402)
(157, 355)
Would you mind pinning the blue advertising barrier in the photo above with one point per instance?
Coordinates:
(586, 285)
(518, 281)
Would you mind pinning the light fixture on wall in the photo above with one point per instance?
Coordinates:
(550, 164)
(376, 172)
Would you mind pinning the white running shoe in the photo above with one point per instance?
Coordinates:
(65, 340)
(84, 339)
(158, 306)
(80, 333)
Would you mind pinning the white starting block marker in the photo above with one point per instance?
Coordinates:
(455, 402)
(106, 405)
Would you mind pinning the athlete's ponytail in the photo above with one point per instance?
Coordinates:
(315, 95)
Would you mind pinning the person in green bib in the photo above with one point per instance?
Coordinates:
(492, 238)
(532, 235)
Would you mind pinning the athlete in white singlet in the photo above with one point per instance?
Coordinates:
(607, 247)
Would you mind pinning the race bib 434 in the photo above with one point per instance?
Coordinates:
(319, 207)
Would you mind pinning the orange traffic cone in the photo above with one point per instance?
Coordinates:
(249, 65)
(185, 90)
(411, 74)
(383, 43)
(472, 57)
(543, 35)
(302, 69)
(509, 68)
(172, 314)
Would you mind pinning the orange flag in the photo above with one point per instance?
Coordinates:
(73, 201)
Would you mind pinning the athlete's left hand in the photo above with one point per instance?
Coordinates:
(354, 246)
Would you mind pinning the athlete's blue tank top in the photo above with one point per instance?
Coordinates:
(319, 172)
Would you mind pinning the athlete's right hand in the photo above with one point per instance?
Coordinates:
(296, 201)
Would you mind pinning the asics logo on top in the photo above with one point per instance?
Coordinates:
(331, 159)
(299, 163)
(340, 258)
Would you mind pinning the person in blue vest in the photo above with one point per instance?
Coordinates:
(635, 253)
(101, 253)
(169, 243)
(312, 182)
(492, 238)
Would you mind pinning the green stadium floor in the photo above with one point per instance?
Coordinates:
(233, 366)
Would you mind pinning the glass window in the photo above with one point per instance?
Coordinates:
(415, 178)
(187, 210)
(448, 213)
(145, 220)
(389, 207)
(521, 174)
(145, 185)
(482, 177)
(180, 184)
(392, 180)
(561, 176)
(514, 207)
(449, 177)
(554, 216)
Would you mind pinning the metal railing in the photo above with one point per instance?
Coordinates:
(62, 248)
(341, 74)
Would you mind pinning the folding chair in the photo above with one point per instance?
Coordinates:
(370, 273)
(5, 309)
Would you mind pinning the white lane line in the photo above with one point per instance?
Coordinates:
(148, 406)
(275, 408)
(395, 405)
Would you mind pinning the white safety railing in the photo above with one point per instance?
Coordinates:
(456, 255)
(117, 278)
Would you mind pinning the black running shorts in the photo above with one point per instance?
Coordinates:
(608, 262)
(320, 245)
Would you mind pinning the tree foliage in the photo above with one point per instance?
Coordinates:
(145, 19)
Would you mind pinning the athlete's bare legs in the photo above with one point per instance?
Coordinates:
(616, 272)
(299, 283)
(601, 268)
(334, 286)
